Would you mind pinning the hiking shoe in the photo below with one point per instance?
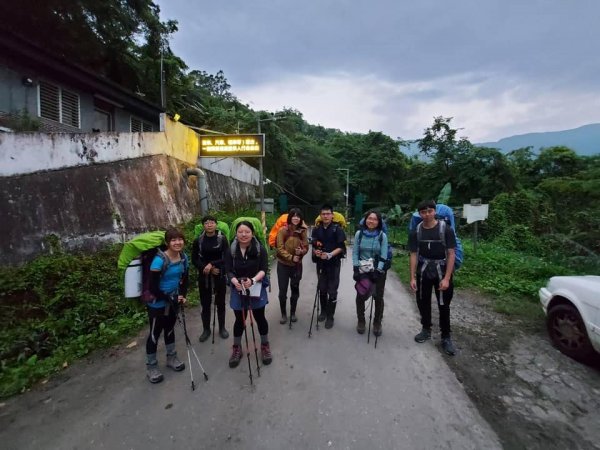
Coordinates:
(204, 336)
(223, 333)
(448, 346)
(322, 317)
(283, 319)
(265, 354)
(293, 318)
(153, 374)
(236, 356)
(377, 328)
(329, 322)
(360, 326)
(424, 335)
(174, 363)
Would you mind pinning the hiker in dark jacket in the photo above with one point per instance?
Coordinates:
(247, 265)
(292, 245)
(169, 287)
(431, 267)
(328, 242)
(209, 251)
(369, 254)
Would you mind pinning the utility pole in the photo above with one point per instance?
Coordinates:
(347, 194)
(261, 188)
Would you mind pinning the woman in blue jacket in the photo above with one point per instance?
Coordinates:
(369, 254)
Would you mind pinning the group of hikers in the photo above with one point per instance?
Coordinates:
(243, 265)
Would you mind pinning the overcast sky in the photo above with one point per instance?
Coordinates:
(498, 67)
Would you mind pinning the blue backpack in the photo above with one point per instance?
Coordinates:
(445, 213)
(388, 262)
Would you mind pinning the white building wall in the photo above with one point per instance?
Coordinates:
(24, 153)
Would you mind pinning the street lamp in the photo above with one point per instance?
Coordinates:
(347, 194)
(261, 183)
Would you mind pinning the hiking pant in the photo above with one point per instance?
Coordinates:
(378, 298)
(424, 288)
(259, 319)
(159, 322)
(329, 281)
(204, 286)
(291, 275)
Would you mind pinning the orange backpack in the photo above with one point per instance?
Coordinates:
(281, 222)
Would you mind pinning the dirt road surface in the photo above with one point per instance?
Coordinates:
(330, 391)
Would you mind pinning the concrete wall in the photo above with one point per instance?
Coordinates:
(89, 189)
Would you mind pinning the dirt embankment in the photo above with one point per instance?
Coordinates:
(533, 396)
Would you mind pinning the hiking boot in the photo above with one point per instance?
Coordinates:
(448, 346)
(424, 335)
(329, 322)
(153, 374)
(293, 318)
(205, 335)
(377, 328)
(283, 319)
(322, 317)
(360, 326)
(174, 363)
(236, 356)
(223, 333)
(265, 354)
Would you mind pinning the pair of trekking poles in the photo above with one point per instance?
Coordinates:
(247, 311)
(317, 305)
(188, 343)
(372, 300)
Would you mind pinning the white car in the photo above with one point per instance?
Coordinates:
(572, 307)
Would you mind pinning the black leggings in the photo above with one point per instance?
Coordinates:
(259, 318)
(160, 322)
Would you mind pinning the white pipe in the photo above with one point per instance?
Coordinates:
(202, 190)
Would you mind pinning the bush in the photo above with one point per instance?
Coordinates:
(58, 308)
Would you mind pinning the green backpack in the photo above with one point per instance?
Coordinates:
(259, 232)
(221, 226)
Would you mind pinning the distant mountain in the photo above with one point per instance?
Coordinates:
(584, 140)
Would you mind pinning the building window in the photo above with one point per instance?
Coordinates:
(138, 125)
(59, 105)
(103, 121)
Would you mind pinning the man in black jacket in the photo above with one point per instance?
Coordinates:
(328, 241)
(208, 256)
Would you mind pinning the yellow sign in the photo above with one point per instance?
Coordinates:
(232, 145)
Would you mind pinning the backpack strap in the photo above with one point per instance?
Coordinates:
(442, 224)
(165, 261)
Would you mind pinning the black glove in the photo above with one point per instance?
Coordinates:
(356, 275)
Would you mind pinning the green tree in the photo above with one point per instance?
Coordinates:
(557, 162)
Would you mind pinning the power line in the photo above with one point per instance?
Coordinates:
(291, 193)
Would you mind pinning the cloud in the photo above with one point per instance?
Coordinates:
(485, 106)
(498, 67)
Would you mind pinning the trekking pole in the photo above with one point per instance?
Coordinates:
(188, 344)
(316, 305)
(253, 336)
(370, 317)
(212, 297)
(244, 311)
